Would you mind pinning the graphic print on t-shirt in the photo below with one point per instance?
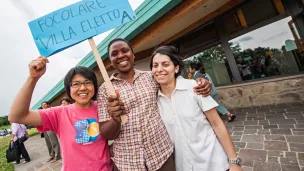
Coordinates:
(87, 130)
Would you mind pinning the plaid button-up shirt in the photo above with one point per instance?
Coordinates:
(143, 143)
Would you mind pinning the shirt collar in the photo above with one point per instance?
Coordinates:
(180, 85)
(137, 74)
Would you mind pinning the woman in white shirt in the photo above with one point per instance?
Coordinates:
(200, 138)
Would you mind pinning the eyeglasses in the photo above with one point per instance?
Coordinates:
(78, 84)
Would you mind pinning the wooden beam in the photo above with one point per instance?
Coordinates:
(279, 6)
(205, 19)
(144, 54)
(107, 64)
(183, 8)
(241, 18)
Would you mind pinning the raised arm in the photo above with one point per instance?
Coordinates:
(20, 110)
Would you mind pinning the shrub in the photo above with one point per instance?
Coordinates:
(32, 132)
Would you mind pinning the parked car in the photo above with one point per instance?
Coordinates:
(3, 132)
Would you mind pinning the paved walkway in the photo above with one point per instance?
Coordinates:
(267, 138)
(270, 138)
(38, 152)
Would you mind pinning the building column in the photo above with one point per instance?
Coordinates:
(220, 27)
(295, 8)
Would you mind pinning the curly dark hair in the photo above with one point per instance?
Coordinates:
(116, 40)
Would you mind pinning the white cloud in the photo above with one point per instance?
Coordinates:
(272, 35)
(18, 48)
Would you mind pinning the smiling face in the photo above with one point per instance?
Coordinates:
(122, 57)
(163, 69)
(82, 91)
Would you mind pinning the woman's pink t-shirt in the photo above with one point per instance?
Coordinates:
(81, 145)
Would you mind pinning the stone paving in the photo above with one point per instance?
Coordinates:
(270, 138)
(267, 138)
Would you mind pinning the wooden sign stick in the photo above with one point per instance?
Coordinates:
(102, 68)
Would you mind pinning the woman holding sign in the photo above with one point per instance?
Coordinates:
(142, 143)
(201, 140)
(76, 124)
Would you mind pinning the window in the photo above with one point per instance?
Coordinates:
(268, 51)
(214, 63)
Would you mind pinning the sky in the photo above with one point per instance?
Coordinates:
(273, 35)
(18, 48)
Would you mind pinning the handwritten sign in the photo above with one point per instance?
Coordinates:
(73, 24)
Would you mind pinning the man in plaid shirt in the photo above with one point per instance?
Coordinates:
(142, 143)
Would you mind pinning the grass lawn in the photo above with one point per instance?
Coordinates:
(4, 142)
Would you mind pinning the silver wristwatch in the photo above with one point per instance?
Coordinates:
(236, 161)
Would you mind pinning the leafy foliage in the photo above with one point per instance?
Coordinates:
(4, 121)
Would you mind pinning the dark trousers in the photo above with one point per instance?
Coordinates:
(22, 151)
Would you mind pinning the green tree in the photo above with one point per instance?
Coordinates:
(4, 121)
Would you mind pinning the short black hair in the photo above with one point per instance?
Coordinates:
(195, 65)
(173, 54)
(45, 102)
(116, 40)
(86, 73)
(66, 99)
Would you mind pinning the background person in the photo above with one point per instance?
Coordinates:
(65, 101)
(51, 141)
(18, 131)
(198, 71)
